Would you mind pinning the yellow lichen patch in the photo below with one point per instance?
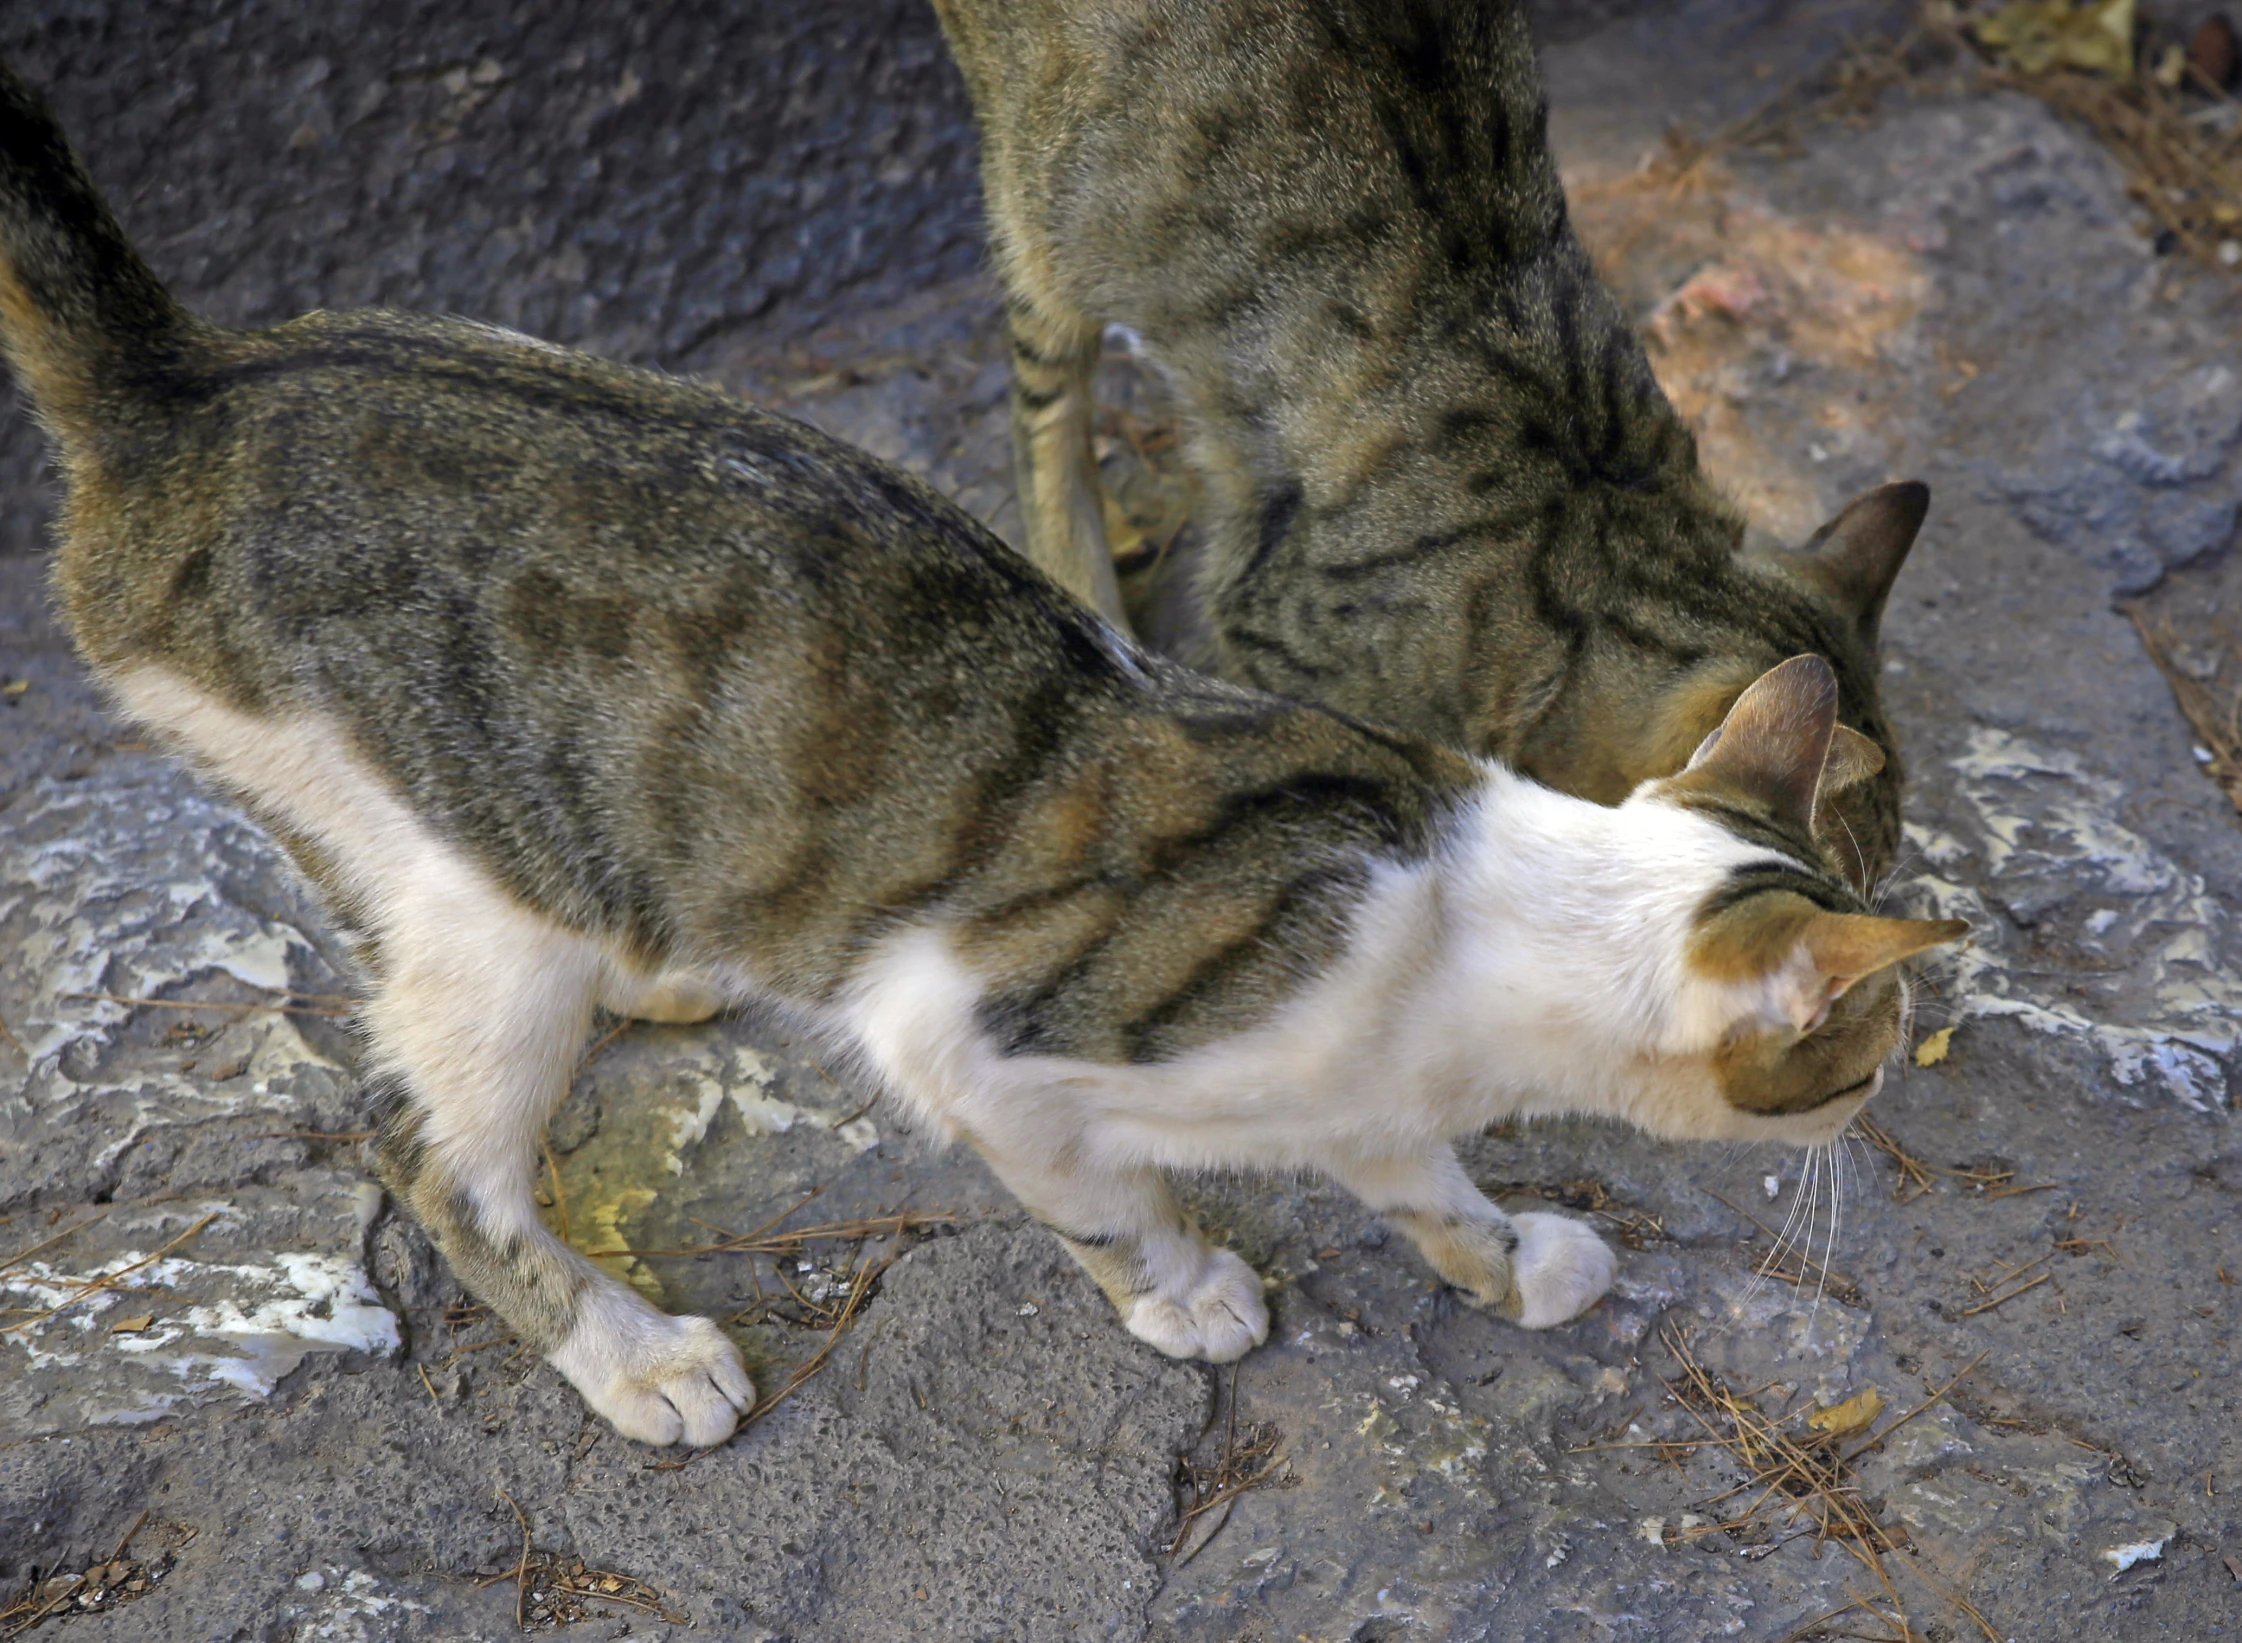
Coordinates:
(2039, 35)
(643, 1146)
(604, 1227)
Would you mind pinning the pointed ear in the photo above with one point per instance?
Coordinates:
(1853, 758)
(1848, 946)
(1852, 561)
(1776, 739)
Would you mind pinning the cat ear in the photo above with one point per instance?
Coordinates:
(1852, 561)
(1848, 946)
(1776, 739)
(1842, 948)
(1853, 758)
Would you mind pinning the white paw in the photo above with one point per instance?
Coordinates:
(653, 1377)
(1220, 1317)
(1561, 1268)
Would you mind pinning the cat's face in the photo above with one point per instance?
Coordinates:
(1789, 999)
(1635, 714)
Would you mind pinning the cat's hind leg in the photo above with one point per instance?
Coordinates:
(476, 1025)
(479, 1011)
(1538, 1270)
(1173, 1289)
(1054, 354)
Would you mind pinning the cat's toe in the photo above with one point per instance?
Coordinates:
(1220, 1317)
(1561, 1269)
(679, 1382)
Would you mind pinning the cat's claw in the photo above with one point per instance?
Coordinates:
(1220, 1317)
(1560, 1270)
(661, 1380)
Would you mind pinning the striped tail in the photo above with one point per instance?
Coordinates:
(83, 320)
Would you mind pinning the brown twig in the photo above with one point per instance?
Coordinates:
(520, 1570)
(1801, 1476)
(1991, 1302)
(107, 1279)
(191, 1004)
(613, 1033)
(860, 1289)
(842, 1123)
(459, 1352)
(1237, 1470)
(49, 1243)
(1875, 1438)
(789, 1243)
(560, 1196)
(1913, 1171)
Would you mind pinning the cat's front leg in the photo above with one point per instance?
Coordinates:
(1173, 1289)
(1538, 1270)
(476, 1027)
(1054, 353)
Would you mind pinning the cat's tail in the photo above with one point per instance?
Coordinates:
(84, 321)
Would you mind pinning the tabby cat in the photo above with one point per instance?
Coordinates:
(1444, 490)
(576, 686)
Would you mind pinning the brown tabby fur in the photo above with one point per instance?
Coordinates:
(1445, 491)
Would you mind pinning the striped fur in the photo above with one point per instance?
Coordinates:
(1444, 491)
(574, 684)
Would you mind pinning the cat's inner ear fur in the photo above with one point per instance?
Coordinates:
(1774, 746)
(1851, 562)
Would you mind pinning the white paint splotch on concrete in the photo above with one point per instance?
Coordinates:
(273, 1276)
(2041, 844)
(128, 882)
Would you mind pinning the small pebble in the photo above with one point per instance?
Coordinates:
(1773, 1184)
(2230, 252)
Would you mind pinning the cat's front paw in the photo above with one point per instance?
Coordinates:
(1560, 1270)
(656, 1378)
(1220, 1317)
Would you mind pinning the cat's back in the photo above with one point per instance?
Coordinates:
(389, 474)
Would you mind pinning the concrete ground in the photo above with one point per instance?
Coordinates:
(308, 1432)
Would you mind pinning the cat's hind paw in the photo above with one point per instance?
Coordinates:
(656, 1378)
(1560, 1270)
(1219, 1318)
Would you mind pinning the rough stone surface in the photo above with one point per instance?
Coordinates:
(317, 1423)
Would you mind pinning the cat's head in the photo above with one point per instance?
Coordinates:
(1636, 709)
(1770, 995)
